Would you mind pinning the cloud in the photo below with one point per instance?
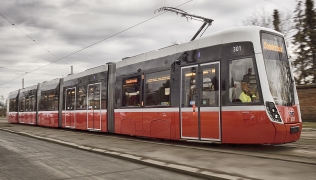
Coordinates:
(66, 26)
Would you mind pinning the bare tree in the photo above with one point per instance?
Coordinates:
(265, 19)
(259, 18)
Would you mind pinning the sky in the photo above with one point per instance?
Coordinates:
(54, 31)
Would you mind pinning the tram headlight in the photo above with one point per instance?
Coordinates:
(273, 112)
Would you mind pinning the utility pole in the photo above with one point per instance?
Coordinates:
(22, 83)
(189, 16)
(72, 70)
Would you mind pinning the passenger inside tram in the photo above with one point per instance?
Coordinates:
(233, 92)
(247, 76)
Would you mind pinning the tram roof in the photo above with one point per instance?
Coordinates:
(51, 82)
(28, 88)
(245, 33)
(13, 93)
(87, 72)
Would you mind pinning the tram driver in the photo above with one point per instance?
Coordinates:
(246, 95)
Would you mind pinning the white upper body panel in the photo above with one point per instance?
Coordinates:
(87, 72)
(247, 33)
(28, 88)
(47, 83)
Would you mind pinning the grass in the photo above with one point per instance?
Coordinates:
(309, 125)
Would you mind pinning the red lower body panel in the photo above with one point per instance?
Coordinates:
(27, 117)
(284, 135)
(247, 127)
(189, 125)
(48, 118)
(232, 126)
(84, 120)
(255, 127)
(12, 117)
(150, 123)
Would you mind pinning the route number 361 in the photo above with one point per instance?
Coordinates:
(236, 48)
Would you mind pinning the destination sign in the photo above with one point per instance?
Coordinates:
(130, 81)
(272, 47)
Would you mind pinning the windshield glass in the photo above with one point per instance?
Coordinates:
(278, 69)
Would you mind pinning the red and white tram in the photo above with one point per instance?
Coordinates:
(233, 86)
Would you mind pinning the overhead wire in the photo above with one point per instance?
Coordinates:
(30, 37)
(91, 44)
(26, 71)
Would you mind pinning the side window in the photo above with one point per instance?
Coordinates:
(22, 104)
(49, 101)
(117, 93)
(243, 81)
(43, 102)
(157, 89)
(12, 107)
(131, 91)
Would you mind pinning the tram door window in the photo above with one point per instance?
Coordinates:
(31, 107)
(26, 116)
(27, 104)
(243, 81)
(209, 88)
(200, 102)
(94, 106)
(81, 98)
(70, 108)
(22, 109)
(103, 95)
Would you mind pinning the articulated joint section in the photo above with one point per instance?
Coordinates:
(273, 112)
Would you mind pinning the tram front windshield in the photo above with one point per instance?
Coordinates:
(278, 69)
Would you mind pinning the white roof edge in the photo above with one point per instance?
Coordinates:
(87, 72)
(13, 92)
(208, 40)
(46, 83)
(28, 88)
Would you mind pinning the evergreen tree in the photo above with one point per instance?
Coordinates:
(276, 20)
(299, 41)
(310, 31)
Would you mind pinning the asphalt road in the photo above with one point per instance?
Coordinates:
(25, 158)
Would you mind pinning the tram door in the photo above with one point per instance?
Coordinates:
(32, 115)
(22, 109)
(94, 106)
(70, 118)
(200, 102)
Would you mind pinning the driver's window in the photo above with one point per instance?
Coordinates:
(243, 81)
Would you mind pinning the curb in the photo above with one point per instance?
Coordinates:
(192, 171)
